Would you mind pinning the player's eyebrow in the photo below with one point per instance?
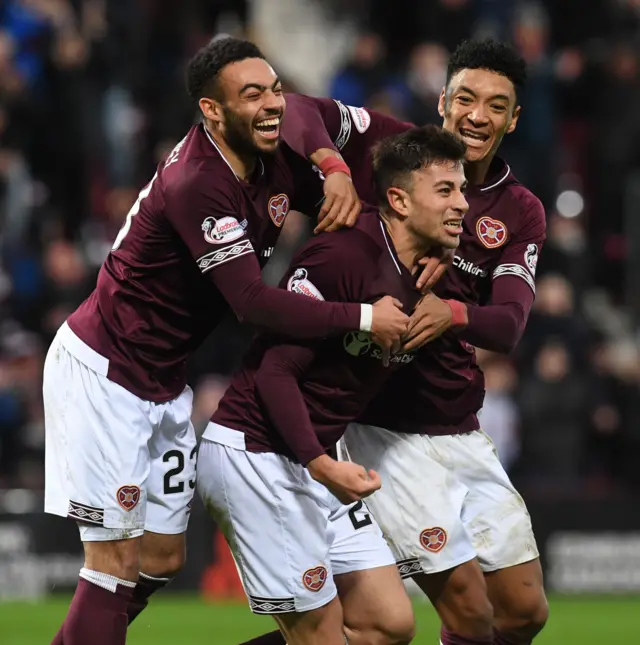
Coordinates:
(468, 90)
(445, 182)
(258, 86)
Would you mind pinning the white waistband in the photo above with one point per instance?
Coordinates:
(225, 436)
(80, 350)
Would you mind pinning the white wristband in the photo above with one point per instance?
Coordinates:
(366, 317)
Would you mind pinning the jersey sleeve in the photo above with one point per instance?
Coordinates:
(499, 325)
(333, 266)
(204, 214)
(321, 271)
(310, 124)
(313, 123)
(283, 367)
(520, 256)
(361, 128)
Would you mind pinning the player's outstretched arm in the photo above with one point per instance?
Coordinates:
(310, 125)
(306, 132)
(277, 381)
(291, 314)
(203, 211)
(335, 137)
(281, 311)
(499, 326)
(316, 124)
(496, 327)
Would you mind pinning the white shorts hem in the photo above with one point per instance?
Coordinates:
(316, 605)
(163, 530)
(446, 566)
(52, 509)
(90, 533)
(363, 566)
(501, 566)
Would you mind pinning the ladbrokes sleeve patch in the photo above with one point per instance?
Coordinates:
(221, 230)
(361, 118)
(299, 283)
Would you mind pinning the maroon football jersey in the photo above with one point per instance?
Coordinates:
(442, 391)
(504, 229)
(334, 379)
(185, 255)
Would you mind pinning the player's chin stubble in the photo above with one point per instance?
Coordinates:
(239, 135)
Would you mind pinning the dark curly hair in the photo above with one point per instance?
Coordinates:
(493, 55)
(204, 68)
(396, 157)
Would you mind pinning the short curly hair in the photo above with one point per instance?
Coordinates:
(397, 156)
(493, 55)
(205, 67)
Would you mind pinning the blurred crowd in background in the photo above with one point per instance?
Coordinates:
(91, 98)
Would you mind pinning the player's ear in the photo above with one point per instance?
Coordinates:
(398, 200)
(441, 101)
(514, 120)
(211, 109)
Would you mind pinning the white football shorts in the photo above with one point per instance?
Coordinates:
(113, 462)
(444, 500)
(288, 534)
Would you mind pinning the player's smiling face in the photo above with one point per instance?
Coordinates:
(480, 107)
(253, 106)
(436, 204)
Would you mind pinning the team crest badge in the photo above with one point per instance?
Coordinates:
(314, 579)
(279, 209)
(433, 539)
(492, 232)
(128, 497)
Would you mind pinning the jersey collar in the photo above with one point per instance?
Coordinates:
(389, 244)
(217, 147)
(498, 173)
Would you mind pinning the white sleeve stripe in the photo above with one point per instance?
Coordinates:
(516, 270)
(345, 126)
(220, 256)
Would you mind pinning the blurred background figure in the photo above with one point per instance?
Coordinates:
(500, 415)
(425, 78)
(365, 74)
(553, 404)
